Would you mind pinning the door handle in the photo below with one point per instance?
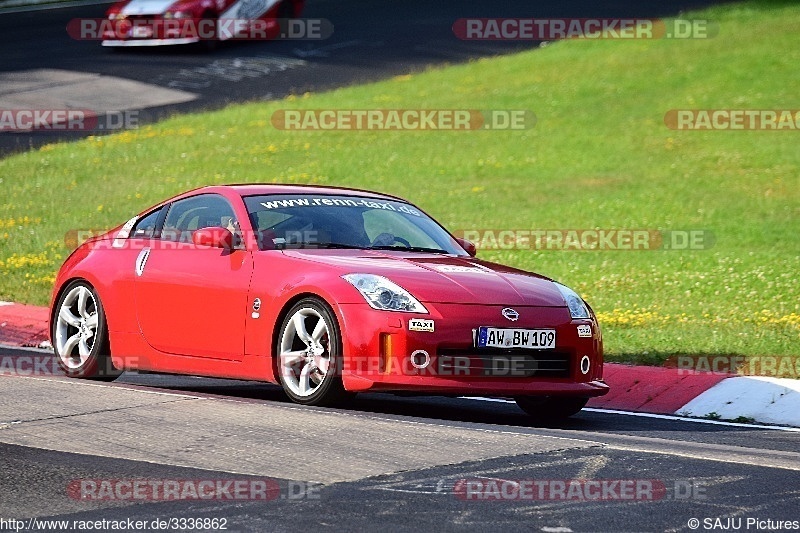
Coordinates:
(141, 260)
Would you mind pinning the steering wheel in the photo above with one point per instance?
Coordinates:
(387, 239)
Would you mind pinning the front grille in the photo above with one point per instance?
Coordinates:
(494, 362)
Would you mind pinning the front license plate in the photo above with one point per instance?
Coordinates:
(141, 32)
(533, 339)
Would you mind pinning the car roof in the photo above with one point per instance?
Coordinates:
(255, 189)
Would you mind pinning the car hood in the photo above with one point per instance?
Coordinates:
(441, 278)
(146, 7)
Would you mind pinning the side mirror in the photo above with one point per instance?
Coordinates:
(468, 246)
(214, 237)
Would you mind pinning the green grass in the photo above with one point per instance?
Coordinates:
(598, 157)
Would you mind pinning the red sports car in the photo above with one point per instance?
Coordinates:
(326, 291)
(171, 22)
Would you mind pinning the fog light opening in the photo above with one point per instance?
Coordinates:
(420, 359)
(586, 363)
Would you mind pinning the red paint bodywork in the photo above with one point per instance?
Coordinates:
(195, 10)
(191, 312)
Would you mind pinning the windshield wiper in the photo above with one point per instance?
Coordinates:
(338, 245)
(402, 248)
(316, 245)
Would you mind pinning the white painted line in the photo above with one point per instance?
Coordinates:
(5, 303)
(26, 348)
(662, 417)
(87, 383)
(695, 420)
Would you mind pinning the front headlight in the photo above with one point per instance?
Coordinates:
(177, 15)
(577, 307)
(380, 293)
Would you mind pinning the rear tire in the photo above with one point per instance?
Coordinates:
(550, 407)
(80, 334)
(309, 354)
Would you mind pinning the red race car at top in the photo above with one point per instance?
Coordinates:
(325, 291)
(173, 22)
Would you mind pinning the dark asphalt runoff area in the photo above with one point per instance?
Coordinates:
(370, 41)
(715, 473)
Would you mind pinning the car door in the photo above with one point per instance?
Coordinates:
(192, 300)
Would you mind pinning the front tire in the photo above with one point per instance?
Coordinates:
(207, 46)
(550, 408)
(80, 334)
(309, 354)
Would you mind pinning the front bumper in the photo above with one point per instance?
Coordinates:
(381, 353)
(150, 42)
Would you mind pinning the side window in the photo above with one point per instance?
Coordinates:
(203, 211)
(146, 227)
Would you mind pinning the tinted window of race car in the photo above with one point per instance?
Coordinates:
(313, 221)
(197, 212)
(146, 227)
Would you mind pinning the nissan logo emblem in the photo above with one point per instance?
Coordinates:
(510, 314)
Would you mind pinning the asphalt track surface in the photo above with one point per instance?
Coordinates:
(370, 41)
(381, 462)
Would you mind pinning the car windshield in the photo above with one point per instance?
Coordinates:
(331, 221)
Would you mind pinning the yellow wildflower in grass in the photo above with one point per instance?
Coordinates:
(16, 261)
(45, 279)
(21, 221)
(637, 318)
(126, 137)
(771, 318)
(630, 318)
